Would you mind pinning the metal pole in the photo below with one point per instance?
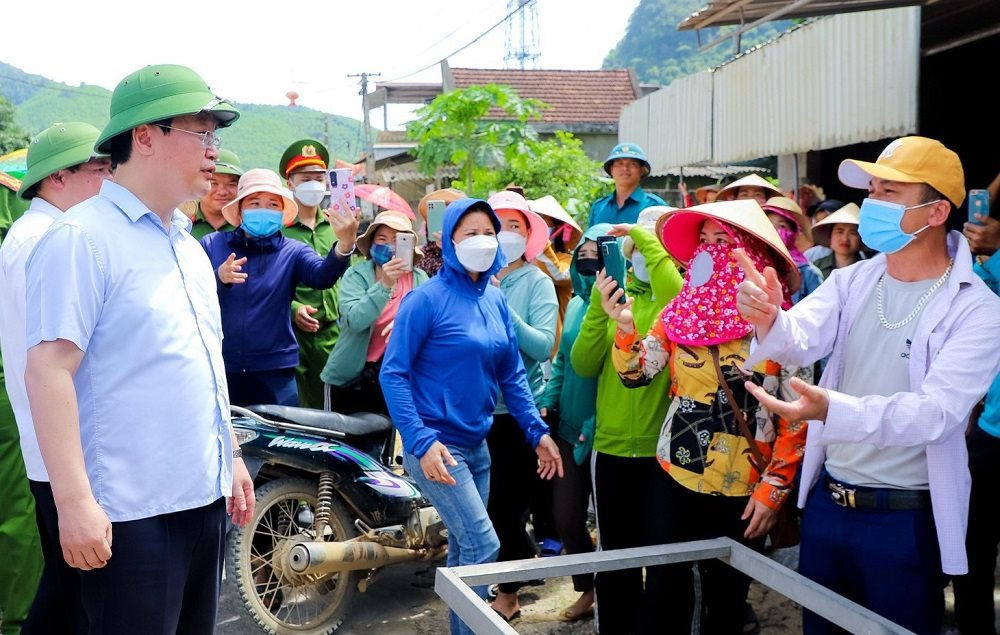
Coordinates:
(369, 146)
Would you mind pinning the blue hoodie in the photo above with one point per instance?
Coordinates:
(453, 349)
(256, 321)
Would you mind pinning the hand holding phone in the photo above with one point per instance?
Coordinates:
(979, 203)
(612, 261)
(404, 249)
(341, 184)
(435, 218)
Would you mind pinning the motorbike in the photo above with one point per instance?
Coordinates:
(332, 509)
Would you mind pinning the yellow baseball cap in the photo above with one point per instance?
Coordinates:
(911, 160)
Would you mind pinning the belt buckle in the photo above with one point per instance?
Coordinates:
(842, 496)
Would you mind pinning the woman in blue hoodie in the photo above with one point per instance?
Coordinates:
(258, 270)
(453, 351)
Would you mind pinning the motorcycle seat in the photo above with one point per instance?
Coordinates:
(356, 425)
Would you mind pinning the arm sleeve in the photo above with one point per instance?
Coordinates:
(638, 362)
(66, 287)
(513, 381)
(314, 271)
(594, 341)
(664, 278)
(536, 332)
(788, 448)
(989, 271)
(413, 326)
(360, 305)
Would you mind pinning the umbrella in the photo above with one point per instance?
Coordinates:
(384, 197)
(10, 182)
(15, 163)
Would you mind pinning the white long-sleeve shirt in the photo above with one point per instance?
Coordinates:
(953, 359)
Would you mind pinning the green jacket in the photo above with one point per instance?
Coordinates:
(572, 396)
(361, 302)
(534, 310)
(628, 419)
(321, 240)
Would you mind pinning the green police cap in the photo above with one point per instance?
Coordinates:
(161, 92)
(228, 163)
(305, 155)
(60, 146)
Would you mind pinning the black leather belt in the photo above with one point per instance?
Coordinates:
(877, 498)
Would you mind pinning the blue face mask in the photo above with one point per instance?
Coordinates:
(879, 226)
(382, 254)
(261, 222)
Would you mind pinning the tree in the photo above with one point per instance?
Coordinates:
(556, 166)
(454, 129)
(12, 136)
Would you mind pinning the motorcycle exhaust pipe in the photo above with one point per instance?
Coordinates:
(318, 558)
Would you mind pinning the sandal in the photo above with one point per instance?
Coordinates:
(551, 547)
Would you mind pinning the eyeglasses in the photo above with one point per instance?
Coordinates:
(208, 138)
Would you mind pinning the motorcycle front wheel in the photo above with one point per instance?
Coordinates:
(282, 604)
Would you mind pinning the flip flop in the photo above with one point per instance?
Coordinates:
(510, 620)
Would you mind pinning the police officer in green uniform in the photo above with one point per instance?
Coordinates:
(314, 311)
(206, 214)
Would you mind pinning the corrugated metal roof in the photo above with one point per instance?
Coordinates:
(714, 171)
(835, 81)
(725, 12)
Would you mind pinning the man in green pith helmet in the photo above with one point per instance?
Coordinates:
(314, 311)
(63, 170)
(206, 214)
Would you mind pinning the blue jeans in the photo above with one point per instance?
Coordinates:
(885, 560)
(471, 538)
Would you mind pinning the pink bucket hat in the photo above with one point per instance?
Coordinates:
(538, 231)
(260, 180)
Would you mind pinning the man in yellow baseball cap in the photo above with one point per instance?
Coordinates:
(885, 483)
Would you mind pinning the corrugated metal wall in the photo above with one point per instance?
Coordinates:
(840, 80)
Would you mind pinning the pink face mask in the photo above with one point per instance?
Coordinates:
(704, 312)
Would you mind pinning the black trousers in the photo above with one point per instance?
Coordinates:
(625, 511)
(974, 606)
(163, 576)
(57, 608)
(363, 394)
(685, 515)
(513, 472)
(570, 498)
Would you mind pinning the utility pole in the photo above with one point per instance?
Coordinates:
(369, 145)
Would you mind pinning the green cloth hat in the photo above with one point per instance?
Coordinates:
(161, 92)
(60, 146)
(305, 155)
(228, 163)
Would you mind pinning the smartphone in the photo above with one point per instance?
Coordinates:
(613, 261)
(341, 184)
(435, 218)
(979, 203)
(404, 249)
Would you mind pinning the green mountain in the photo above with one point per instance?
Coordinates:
(259, 137)
(660, 53)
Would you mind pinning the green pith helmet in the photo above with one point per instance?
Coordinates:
(228, 163)
(60, 146)
(160, 92)
(305, 155)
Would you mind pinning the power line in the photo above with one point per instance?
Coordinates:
(445, 37)
(520, 6)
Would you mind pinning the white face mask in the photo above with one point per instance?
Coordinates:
(310, 193)
(477, 253)
(513, 244)
(639, 267)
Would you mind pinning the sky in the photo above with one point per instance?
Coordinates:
(254, 51)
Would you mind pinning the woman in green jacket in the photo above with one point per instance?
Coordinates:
(628, 425)
(369, 294)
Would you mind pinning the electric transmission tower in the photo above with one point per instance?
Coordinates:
(522, 34)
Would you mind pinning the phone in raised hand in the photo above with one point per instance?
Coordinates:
(612, 261)
(404, 249)
(341, 183)
(435, 217)
(979, 203)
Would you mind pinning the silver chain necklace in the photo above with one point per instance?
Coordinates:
(892, 326)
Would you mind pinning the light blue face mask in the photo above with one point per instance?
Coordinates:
(261, 222)
(880, 225)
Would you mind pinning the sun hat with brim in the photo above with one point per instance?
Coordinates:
(786, 207)
(647, 219)
(228, 163)
(849, 214)
(447, 195)
(60, 146)
(679, 231)
(701, 194)
(260, 180)
(910, 160)
(160, 92)
(750, 180)
(392, 219)
(538, 231)
(550, 207)
(304, 155)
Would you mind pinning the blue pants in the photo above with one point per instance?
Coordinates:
(885, 560)
(163, 576)
(471, 539)
(257, 387)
